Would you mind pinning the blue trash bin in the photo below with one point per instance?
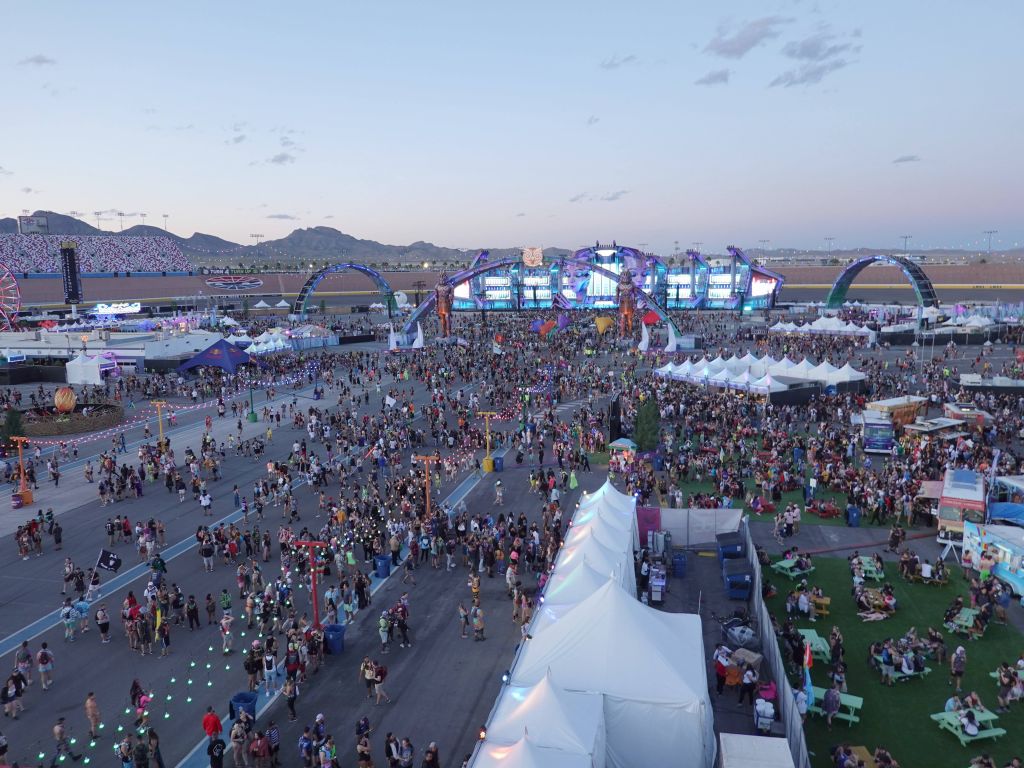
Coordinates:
(499, 463)
(245, 700)
(382, 566)
(334, 639)
(659, 462)
(679, 565)
(854, 517)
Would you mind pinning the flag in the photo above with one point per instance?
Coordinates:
(808, 658)
(390, 401)
(808, 688)
(109, 561)
(159, 619)
(495, 348)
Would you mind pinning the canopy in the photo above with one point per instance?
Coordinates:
(221, 354)
(525, 754)
(228, 321)
(283, 304)
(84, 370)
(261, 304)
(742, 751)
(648, 664)
(553, 718)
(622, 444)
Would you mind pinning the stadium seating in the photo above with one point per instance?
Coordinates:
(41, 253)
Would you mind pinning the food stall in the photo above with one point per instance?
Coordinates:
(968, 413)
(962, 500)
(1006, 499)
(1001, 549)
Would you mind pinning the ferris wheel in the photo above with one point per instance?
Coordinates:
(10, 299)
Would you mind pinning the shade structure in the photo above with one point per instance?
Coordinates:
(525, 754)
(83, 370)
(742, 751)
(552, 718)
(612, 504)
(261, 304)
(221, 354)
(611, 562)
(648, 664)
(573, 584)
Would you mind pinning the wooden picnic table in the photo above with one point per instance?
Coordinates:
(862, 753)
(822, 605)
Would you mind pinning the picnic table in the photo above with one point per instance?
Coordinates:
(820, 648)
(862, 753)
(898, 674)
(965, 619)
(950, 721)
(849, 705)
(789, 568)
(821, 605)
(870, 568)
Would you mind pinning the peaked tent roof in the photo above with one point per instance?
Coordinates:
(525, 754)
(221, 354)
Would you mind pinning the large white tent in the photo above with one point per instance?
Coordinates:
(84, 370)
(749, 373)
(648, 664)
(525, 754)
(609, 503)
(742, 751)
(553, 718)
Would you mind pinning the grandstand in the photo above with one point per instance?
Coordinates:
(110, 253)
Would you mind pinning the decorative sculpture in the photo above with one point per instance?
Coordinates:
(444, 294)
(624, 294)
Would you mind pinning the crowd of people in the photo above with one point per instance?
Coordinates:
(96, 253)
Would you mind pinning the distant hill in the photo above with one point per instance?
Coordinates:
(319, 244)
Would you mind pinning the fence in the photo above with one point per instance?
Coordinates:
(785, 701)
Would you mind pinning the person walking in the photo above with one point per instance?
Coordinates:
(63, 744)
(44, 663)
(957, 667)
(380, 674)
(748, 685)
(92, 714)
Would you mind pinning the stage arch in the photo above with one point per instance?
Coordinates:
(387, 295)
(912, 270)
(483, 267)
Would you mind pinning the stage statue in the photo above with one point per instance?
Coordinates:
(624, 293)
(444, 294)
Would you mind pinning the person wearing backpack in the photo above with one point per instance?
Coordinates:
(380, 674)
(140, 754)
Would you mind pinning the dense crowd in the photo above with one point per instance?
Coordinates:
(105, 253)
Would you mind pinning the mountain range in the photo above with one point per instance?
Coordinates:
(320, 244)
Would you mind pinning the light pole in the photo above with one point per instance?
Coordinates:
(97, 214)
(312, 546)
(120, 215)
(143, 216)
(488, 463)
(159, 405)
(165, 221)
(906, 239)
(24, 492)
(990, 232)
(427, 461)
(764, 247)
(696, 245)
(252, 407)
(828, 246)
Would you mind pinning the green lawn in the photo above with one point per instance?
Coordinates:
(897, 718)
(797, 496)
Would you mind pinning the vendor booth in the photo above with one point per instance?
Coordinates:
(1000, 550)
(962, 500)
(86, 369)
(1006, 500)
(742, 751)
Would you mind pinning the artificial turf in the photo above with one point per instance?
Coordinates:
(797, 496)
(897, 718)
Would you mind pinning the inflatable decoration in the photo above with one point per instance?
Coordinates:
(64, 400)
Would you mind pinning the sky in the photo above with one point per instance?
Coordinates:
(472, 124)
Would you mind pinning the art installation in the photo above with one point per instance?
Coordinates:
(64, 400)
(627, 303)
(444, 293)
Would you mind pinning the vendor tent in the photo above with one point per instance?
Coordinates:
(525, 754)
(221, 354)
(742, 751)
(84, 370)
(261, 304)
(282, 304)
(553, 718)
(655, 712)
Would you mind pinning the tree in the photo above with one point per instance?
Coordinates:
(323, 307)
(12, 426)
(647, 432)
(245, 307)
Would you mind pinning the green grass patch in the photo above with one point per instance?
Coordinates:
(796, 497)
(897, 718)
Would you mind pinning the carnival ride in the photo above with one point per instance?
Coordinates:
(10, 299)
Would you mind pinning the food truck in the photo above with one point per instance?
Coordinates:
(999, 549)
(881, 420)
(1006, 500)
(962, 500)
(968, 413)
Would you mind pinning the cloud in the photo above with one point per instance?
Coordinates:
(236, 139)
(611, 197)
(5, 172)
(281, 158)
(616, 61)
(329, 216)
(907, 159)
(732, 43)
(808, 74)
(593, 120)
(817, 47)
(238, 127)
(282, 216)
(286, 142)
(520, 215)
(38, 60)
(30, 191)
(714, 77)
(578, 198)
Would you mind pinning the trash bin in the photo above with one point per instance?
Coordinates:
(16, 501)
(853, 517)
(334, 639)
(499, 463)
(679, 565)
(659, 462)
(382, 566)
(245, 700)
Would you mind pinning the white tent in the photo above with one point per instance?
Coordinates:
(84, 370)
(553, 718)
(610, 503)
(525, 754)
(781, 367)
(846, 374)
(228, 321)
(573, 584)
(613, 563)
(282, 304)
(649, 665)
(261, 304)
(767, 384)
(665, 370)
(742, 751)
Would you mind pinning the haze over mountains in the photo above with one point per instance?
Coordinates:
(319, 244)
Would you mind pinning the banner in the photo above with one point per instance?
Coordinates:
(109, 561)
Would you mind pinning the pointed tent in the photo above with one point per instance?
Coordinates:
(83, 370)
(418, 341)
(282, 304)
(651, 718)
(665, 370)
(525, 754)
(261, 304)
(673, 342)
(553, 718)
(767, 384)
(221, 354)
